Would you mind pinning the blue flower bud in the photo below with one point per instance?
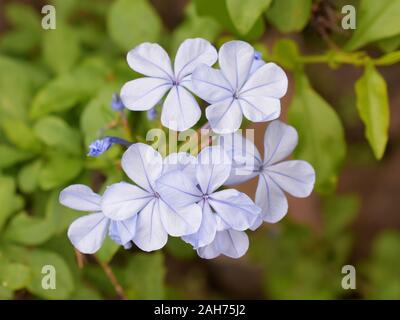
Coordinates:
(152, 114)
(257, 55)
(116, 102)
(99, 146)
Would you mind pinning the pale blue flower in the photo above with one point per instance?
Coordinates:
(234, 90)
(180, 111)
(221, 210)
(296, 177)
(87, 233)
(116, 102)
(100, 146)
(157, 215)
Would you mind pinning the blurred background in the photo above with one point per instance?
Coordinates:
(55, 93)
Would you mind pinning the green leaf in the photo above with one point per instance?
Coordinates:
(58, 170)
(131, 22)
(29, 230)
(11, 156)
(286, 53)
(55, 132)
(244, 14)
(376, 20)
(60, 48)
(382, 269)
(10, 202)
(219, 12)
(97, 114)
(389, 44)
(180, 249)
(21, 135)
(373, 108)
(28, 176)
(321, 134)
(13, 276)
(195, 26)
(289, 15)
(338, 212)
(68, 90)
(143, 277)
(37, 259)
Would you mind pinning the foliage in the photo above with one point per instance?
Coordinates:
(55, 90)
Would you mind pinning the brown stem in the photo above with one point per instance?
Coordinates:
(113, 279)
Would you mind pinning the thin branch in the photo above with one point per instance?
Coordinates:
(113, 279)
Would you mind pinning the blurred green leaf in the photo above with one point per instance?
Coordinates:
(373, 108)
(321, 134)
(382, 269)
(286, 53)
(10, 202)
(28, 176)
(68, 90)
(219, 12)
(131, 22)
(143, 277)
(108, 250)
(55, 132)
(61, 48)
(11, 156)
(194, 26)
(180, 249)
(244, 14)
(29, 230)
(58, 169)
(375, 20)
(13, 276)
(338, 212)
(36, 260)
(289, 15)
(21, 135)
(389, 44)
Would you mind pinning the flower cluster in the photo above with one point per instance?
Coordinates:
(186, 196)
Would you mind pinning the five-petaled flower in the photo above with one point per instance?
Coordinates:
(225, 214)
(296, 177)
(180, 109)
(235, 90)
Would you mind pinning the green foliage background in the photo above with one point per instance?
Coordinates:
(55, 92)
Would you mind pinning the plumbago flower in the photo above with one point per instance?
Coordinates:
(87, 233)
(225, 214)
(296, 177)
(156, 214)
(243, 86)
(180, 110)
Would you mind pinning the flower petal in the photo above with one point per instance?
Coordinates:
(182, 161)
(208, 228)
(225, 116)
(235, 59)
(80, 197)
(143, 165)
(151, 60)
(143, 93)
(122, 232)
(213, 168)
(87, 233)
(177, 189)
(180, 110)
(231, 243)
(257, 63)
(296, 177)
(190, 54)
(245, 157)
(235, 208)
(123, 200)
(260, 109)
(210, 84)
(280, 140)
(180, 221)
(150, 232)
(268, 81)
(271, 199)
